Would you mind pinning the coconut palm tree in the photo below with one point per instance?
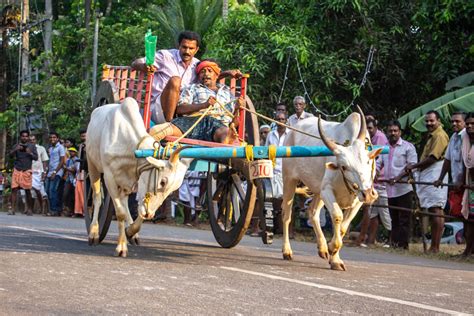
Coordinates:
(175, 16)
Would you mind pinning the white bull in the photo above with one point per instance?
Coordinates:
(342, 182)
(114, 132)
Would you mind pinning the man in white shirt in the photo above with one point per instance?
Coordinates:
(39, 168)
(174, 69)
(300, 104)
(453, 159)
(277, 138)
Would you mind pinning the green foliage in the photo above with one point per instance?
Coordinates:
(62, 104)
(419, 46)
(194, 15)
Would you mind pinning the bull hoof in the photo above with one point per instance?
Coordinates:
(323, 254)
(288, 256)
(121, 251)
(338, 266)
(93, 239)
(134, 240)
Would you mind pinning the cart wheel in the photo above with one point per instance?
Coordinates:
(251, 125)
(107, 93)
(106, 210)
(231, 200)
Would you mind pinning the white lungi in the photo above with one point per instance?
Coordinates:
(189, 190)
(37, 184)
(382, 212)
(429, 195)
(277, 185)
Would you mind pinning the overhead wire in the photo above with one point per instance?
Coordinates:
(368, 66)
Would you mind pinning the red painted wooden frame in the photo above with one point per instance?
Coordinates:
(137, 84)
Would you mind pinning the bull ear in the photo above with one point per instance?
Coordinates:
(155, 162)
(374, 153)
(331, 166)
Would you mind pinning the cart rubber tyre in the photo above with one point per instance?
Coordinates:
(231, 194)
(231, 200)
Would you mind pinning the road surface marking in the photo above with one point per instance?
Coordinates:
(349, 292)
(47, 233)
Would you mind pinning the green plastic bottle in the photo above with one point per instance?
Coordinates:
(150, 48)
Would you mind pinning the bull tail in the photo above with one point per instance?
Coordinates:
(304, 191)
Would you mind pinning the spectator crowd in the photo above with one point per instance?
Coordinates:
(439, 180)
(53, 176)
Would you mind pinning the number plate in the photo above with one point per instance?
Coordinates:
(261, 169)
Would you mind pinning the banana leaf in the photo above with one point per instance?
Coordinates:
(460, 82)
(459, 100)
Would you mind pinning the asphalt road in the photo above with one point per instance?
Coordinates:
(47, 267)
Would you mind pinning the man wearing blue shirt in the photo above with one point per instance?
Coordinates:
(57, 159)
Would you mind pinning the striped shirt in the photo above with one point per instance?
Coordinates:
(199, 93)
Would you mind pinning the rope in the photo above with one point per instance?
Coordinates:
(249, 152)
(416, 212)
(194, 125)
(281, 124)
(272, 150)
(201, 117)
(419, 182)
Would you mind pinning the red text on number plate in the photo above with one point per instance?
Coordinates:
(261, 169)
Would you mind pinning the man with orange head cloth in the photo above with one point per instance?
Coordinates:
(195, 100)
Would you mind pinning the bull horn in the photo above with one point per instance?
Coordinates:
(363, 125)
(175, 155)
(329, 143)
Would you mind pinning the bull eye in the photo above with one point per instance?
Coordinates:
(344, 168)
(163, 182)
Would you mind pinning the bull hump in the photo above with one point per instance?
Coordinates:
(130, 107)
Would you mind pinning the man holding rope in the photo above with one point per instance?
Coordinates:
(208, 109)
(453, 164)
(430, 165)
(401, 154)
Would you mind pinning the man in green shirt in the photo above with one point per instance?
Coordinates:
(429, 166)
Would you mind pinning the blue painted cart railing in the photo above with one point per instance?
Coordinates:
(259, 152)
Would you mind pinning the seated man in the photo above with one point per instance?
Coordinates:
(218, 124)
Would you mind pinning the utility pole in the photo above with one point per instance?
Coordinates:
(48, 32)
(4, 92)
(25, 43)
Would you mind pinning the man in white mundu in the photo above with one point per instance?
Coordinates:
(430, 165)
